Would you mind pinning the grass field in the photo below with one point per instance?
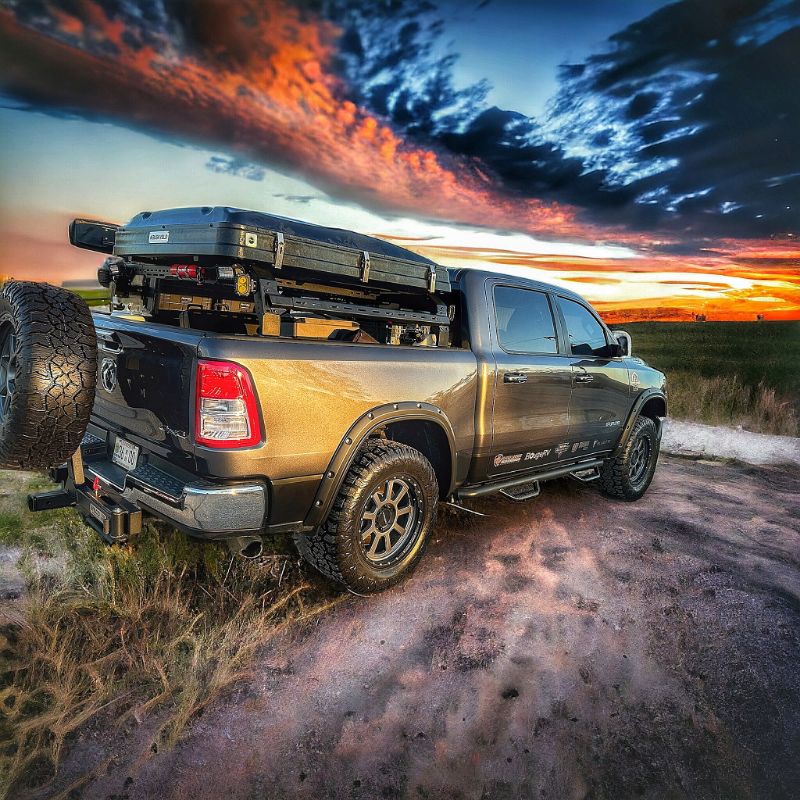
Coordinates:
(113, 636)
(734, 373)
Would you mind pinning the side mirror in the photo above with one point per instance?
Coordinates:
(625, 343)
(90, 235)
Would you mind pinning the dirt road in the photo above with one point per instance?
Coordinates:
(570, 647)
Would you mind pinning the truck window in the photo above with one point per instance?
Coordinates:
(586, 334)
(524, 321)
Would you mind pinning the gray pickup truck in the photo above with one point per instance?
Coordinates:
(307, 416)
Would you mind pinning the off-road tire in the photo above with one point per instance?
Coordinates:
(618, 476)
(336, 550)
(51, 359)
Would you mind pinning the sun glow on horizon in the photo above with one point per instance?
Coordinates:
(647, 286)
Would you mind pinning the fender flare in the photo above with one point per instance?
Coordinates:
(357, 434)
(647, 394)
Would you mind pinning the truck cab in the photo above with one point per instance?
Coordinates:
(558, 385)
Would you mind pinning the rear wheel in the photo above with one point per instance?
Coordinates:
(48, 362)
(628, 474)
(380, 520)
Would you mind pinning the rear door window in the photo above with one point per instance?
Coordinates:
(587, 336)
(524, 321)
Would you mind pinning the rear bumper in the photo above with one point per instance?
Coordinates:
(223, 510)
(199, 507)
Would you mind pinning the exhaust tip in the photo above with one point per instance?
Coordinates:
(252, 550)
(246, 547)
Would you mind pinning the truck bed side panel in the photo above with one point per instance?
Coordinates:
(311, 393)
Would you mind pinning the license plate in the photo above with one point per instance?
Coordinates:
(125, 454)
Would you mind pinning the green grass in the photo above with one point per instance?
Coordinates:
(10, 527)
(739, 373)
(94, 297)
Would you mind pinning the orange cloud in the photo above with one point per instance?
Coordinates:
(266, 87)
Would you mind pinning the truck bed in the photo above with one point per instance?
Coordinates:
(310, 394)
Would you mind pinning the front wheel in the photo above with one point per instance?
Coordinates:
(627, 475)
(380, 520)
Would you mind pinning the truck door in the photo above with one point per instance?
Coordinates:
(601, 396)
(533, 382)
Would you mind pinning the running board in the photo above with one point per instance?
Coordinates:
(525, 491)
(523, 480)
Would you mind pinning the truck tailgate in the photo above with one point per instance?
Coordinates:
(145, 385)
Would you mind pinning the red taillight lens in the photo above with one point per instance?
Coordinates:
(227, 412)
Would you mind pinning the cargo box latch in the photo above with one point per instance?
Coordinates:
(432, 280)
(364, 266)
(280, 247)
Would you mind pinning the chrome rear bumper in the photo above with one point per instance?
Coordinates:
(198, 506)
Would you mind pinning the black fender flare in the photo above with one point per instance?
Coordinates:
(357, 434)
(639, 403)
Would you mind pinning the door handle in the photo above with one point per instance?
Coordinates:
(584, 377)
(514, 377)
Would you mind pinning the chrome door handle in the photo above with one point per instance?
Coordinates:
(584, 377)
(514, 377)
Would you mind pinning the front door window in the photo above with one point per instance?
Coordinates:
(586, 335)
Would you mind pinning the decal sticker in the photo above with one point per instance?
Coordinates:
(614, 423)
(562, 448)
(250, 239)
(500, 459)
(580, 446)
(538, 455)
(158, 237)
(634, 378)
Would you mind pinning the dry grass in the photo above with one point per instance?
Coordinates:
(726, 400)
(161, 625)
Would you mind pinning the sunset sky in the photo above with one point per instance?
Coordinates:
(644, 154)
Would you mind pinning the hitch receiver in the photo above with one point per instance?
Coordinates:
(47, 501)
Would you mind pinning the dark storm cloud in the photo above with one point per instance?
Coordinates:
(688, 120)
(698, 114)
(392, 57)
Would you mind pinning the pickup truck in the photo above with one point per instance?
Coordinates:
(346, 445)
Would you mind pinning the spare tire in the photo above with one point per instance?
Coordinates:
(48, 366)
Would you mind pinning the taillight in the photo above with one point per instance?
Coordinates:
(227, 412)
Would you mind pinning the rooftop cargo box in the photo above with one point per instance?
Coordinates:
(276, 246)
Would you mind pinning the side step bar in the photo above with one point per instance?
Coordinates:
(526, 480)
(586, 475)
(525, 491)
